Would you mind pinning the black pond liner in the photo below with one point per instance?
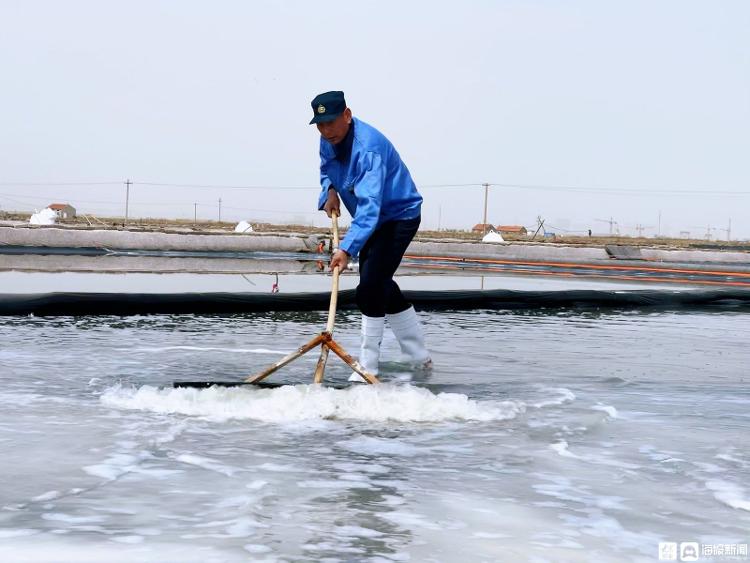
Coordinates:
(124, 304)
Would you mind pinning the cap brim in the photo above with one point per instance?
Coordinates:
(324, 118)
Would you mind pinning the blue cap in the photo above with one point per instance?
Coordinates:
(327, 106)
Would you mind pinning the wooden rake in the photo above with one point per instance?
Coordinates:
(324, 339)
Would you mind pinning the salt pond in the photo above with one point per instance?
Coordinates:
(550, 436)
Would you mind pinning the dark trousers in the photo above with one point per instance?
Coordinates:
(377, 293)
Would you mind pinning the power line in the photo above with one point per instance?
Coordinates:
(174, 204)
(224, 187)
(450, 185)
(18, 201)
(11, 196)
(287, 211)
(566, 230)
(60, 183)
(207, 186)
(625, 190)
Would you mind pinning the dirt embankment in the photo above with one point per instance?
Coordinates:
(216, 227)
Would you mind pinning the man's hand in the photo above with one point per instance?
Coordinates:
(332, 203)
(340, 259)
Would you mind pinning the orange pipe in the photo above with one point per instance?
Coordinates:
(585, 266)
(568, 274)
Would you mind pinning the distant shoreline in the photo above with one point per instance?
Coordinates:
(173, 247)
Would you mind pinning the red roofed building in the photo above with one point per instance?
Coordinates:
(63, 210)
(511, 230)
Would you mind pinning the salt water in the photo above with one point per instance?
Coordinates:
(540, 436)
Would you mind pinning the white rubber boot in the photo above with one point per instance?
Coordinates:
(408, 330)
(369, 352)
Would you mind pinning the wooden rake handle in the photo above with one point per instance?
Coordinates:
(321, 365)
(335, 287)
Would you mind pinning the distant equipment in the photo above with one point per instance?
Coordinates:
(709, 231)
(614, 226)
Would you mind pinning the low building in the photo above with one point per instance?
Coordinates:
(482, 228)
(63, 211)
(511, 230)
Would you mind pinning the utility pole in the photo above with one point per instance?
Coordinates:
(440, 213)
(195, 213)
(127, 198)
(658, 228)
(484, 218)
(540, 222)
(728, 231)
(219, 210)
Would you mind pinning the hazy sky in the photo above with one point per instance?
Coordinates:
(579, 111)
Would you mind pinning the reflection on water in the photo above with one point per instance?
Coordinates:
(39, 282)
(558, 436)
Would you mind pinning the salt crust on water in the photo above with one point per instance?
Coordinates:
(564, 396)
(290, 403)
(729, 493)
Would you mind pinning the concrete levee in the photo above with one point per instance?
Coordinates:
(130, 240)
(511, 251)
(705, 256)
(57, 237)
(574, 254)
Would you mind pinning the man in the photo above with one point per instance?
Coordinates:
(361, 167)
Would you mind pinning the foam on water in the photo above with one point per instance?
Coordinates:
(563, 396)
(561, 448)
(609, 409)
(303, 402)
(113, 467)
(207, 463)
(729, 493)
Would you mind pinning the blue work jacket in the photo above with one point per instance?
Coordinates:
(373, 183)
